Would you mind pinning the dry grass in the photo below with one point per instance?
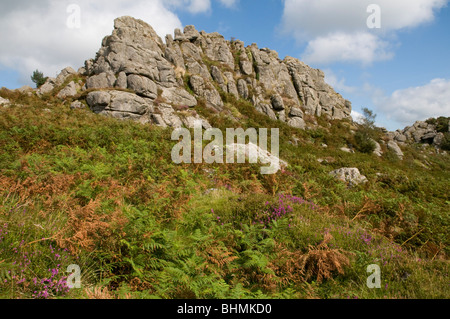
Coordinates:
(321, 262)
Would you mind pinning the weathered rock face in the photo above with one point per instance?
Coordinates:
(420, 132)
(134, 57)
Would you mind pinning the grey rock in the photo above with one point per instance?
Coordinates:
(98, 100)
(347, 150)
(231, 84)
(207, 91)
(4, 102)
(267, 110)
(167, 116)
(297, 122)
(191, 33)
(296, 112)
(47, 87)
(190, 122)
(77, 105)
(122, 81)
(25, 89)
(377, 151)
(277, 102)
(69, 91)
(242, 88)
(179, 36)
(393, 146)
(128, 103)
(101, 81)
(142, 86)
(191, 50)
(64, 74)
(246, 67)
(349, 175)
(219, 78)
(178, 96)
(438, 139)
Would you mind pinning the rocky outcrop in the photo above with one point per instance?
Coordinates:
(421, 132)
(194, 65)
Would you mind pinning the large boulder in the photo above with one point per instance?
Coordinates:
(47, 87)
(64, 74)
(297, 122)
(118, 104)
(69, 91)
(178, 97)
(101, 81)
(142, 86)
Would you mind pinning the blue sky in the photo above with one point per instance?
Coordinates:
(401, 70)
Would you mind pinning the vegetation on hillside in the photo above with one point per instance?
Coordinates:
(79, 188)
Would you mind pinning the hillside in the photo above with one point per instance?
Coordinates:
(80, 188)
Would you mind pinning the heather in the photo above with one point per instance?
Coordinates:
(79, 188)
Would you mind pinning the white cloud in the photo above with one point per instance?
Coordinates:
(320, 21)
(229, 3)
(417, 103)
(338, 84)
(37, 36)
(199, 6)
(357, 117)
(363, 47)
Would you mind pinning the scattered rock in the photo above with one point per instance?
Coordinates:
(25, 89)
(47, 87)
(349, 175)
(377, 151)
(77, 105)
(347, 150)
(393, 146)
(297, 122)
(4, 102)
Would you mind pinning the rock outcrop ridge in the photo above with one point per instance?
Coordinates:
(420, 132)
(136, 75)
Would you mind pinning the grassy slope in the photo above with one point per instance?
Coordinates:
(78, 188)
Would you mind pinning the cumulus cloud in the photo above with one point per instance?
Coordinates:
(192, 6)
(417, 103)
(38, 37)
(344, 22)
(346, 47)
(337, 83)
(357, 117)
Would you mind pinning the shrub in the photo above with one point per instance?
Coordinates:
(364, 143)
(38, 78)
(446, 142)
